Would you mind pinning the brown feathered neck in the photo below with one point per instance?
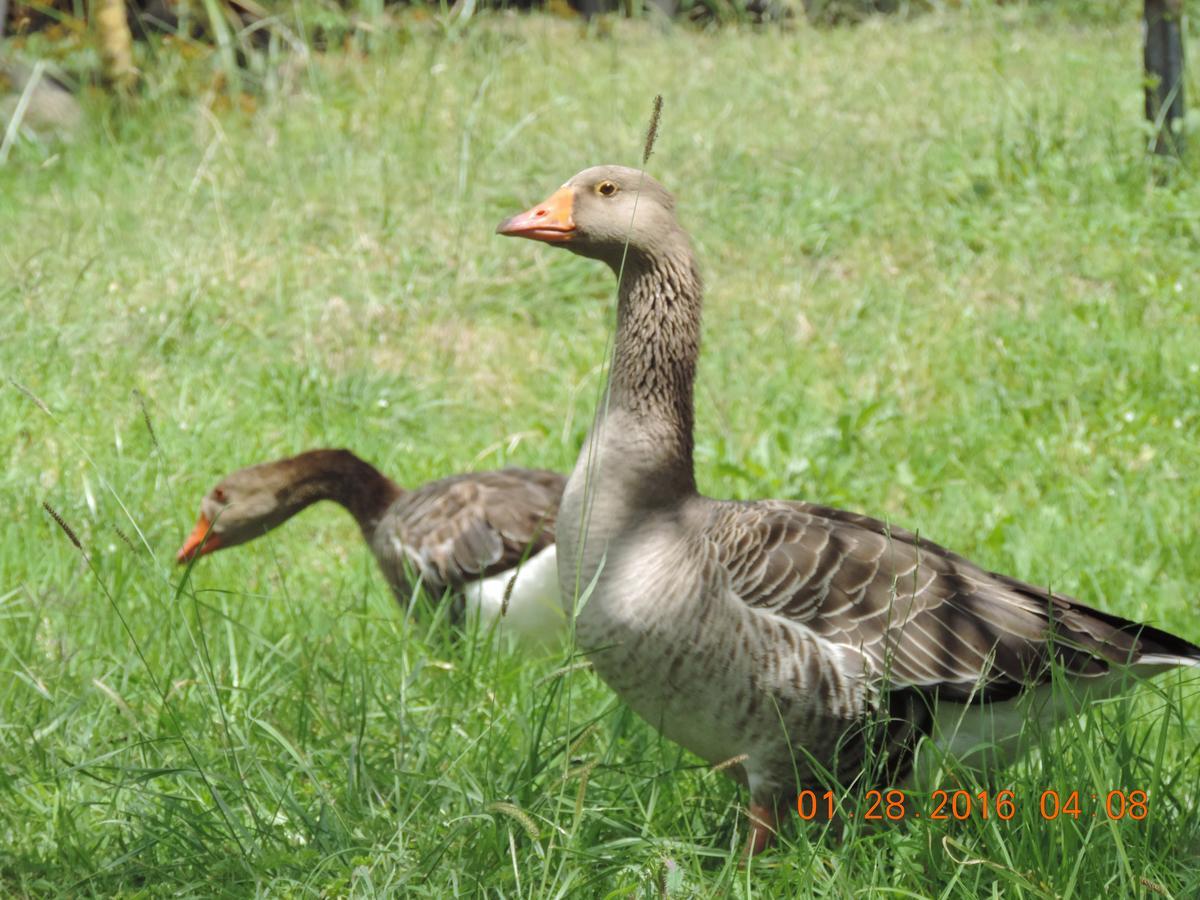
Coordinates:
(342, 477)
(654, 357)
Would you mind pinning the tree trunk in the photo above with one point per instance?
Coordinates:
(116, 44)
(1163, 53)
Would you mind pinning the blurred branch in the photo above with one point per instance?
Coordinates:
(14, 123)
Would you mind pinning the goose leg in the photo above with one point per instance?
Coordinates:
(764, 827)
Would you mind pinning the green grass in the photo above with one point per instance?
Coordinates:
(942, 288)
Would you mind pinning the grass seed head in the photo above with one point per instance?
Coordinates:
(652, 131)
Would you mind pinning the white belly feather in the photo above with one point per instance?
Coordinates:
(530, 612)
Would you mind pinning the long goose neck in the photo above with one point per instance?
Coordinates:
(654, 361)
(340, 476)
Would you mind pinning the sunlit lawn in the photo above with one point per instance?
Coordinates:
(943, 288)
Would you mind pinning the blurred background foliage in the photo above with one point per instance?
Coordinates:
(322, 23)
(232, 51)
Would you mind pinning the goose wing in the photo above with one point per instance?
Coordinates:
(479, 524)
(920, 615)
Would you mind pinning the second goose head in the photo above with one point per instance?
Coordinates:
(248, 503)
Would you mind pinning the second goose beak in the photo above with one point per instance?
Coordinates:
(199, 542)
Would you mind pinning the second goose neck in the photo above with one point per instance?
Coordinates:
(340, 476)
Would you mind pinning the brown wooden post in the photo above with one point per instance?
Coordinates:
(1162, 36)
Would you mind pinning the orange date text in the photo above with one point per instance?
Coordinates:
(959, 805)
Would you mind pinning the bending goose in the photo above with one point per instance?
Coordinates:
(785, 637)
(486, 536)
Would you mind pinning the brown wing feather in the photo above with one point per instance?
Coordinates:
(923, 616)
(478, 524)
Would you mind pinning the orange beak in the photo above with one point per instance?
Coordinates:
(196, 544)
(549, 221)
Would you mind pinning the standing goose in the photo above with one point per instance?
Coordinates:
(487, 536)
(785, 637)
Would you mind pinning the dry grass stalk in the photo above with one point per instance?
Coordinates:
(67, 530)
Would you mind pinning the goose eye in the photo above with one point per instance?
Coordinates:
(606, 188)
(218, 494)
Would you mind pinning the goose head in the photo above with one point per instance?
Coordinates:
(243, 506)
(604, 213)
(250, 502)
